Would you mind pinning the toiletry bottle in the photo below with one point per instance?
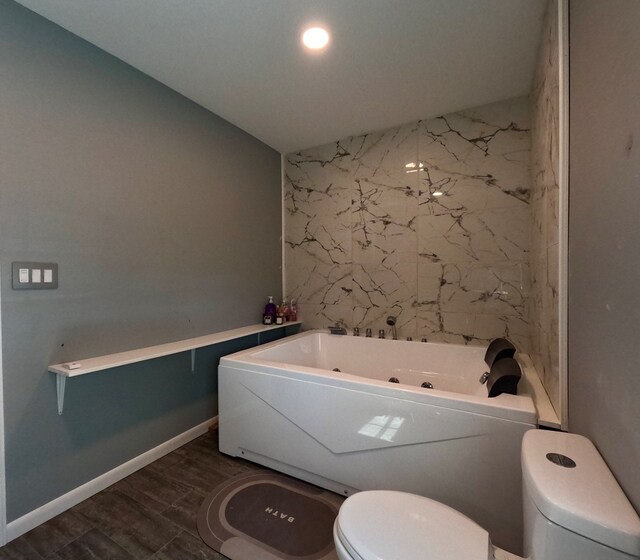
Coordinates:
(293, 311)
(284, 308)
(269, 312)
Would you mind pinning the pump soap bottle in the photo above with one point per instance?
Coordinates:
(269, 312)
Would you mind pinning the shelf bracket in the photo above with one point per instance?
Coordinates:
(61, 381)
(193, 360)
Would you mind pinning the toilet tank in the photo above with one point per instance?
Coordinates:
(573, 506)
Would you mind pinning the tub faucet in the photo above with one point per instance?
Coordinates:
(391, 321)
(337, 329)
(368, 333)
(356, 331)
(381, 333)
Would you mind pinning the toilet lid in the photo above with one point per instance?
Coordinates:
(387, 525)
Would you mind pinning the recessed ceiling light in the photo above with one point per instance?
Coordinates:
(437, 193)
(315, 38)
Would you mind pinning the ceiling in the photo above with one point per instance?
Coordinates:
(389, 61)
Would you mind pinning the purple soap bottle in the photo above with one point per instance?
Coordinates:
(270, 312)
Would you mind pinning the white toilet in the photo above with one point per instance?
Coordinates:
(573, 510)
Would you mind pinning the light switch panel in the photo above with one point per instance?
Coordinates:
(34, 276)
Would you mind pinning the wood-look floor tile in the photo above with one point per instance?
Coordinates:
(212, 458)
(187, 547)
(184, 512)
(152, 489)
(128, 490)
(85, 503)
(165, 462)
(194, 473)
(93, 545)
(57, 532)
(208, 440)
(137, 529)
(150, 514)
(232, 466)
(202, 446)
(19, 549)
(168, 459)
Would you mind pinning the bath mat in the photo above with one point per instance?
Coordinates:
(264, 515)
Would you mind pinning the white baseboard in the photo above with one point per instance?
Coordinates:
(81, 493)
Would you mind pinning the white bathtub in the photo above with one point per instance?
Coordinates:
(280, 405)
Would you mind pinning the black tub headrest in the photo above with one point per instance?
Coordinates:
(504, 377)
(499, 348)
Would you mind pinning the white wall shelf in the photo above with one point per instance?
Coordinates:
(92, 365)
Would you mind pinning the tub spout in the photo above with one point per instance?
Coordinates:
(338, 329)
(391, 321)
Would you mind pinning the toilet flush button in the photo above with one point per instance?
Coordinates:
(561, 460)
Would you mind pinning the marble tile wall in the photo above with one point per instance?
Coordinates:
(429, 221)
(543, 300)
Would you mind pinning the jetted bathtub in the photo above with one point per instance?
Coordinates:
(283, 406)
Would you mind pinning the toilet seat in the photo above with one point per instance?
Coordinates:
(343, 549)
(389, 525)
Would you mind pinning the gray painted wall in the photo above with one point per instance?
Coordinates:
(604, 234)
(165, 221)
